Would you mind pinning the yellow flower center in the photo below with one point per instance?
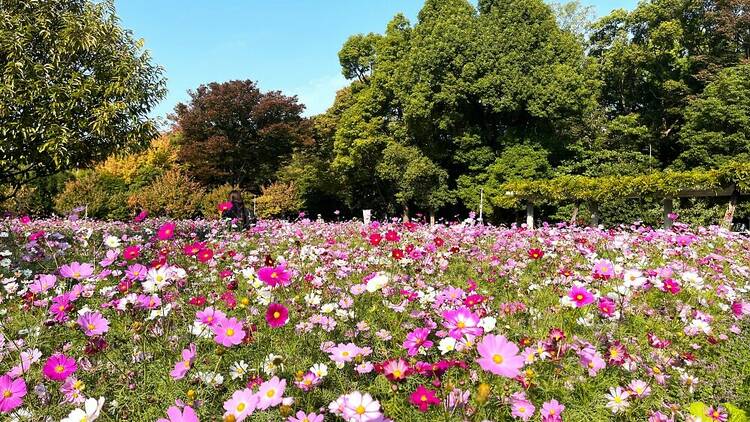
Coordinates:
(7, 393)
(230, 332)
(76, 275)
(396, 373)
(276, 314)
(521, 409)
(241, 407)
(552, 411)
(345, 354)
(618, 399)
(360, 410)
(613, 352)
(497, 359)
(90, 326)
(461, 324)
(274, 275)
(186, 363)
(271, 393)
(579, 296)
(423, 398)
(59, 369)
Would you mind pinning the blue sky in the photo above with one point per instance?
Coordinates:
(287, 45)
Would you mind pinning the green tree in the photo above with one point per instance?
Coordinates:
(357, 56)
(74, 87)
(717, 122)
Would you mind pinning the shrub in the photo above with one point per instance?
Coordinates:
(174, 195)
(278, 199)
(102, 194)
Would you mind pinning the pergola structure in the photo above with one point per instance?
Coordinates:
(729, 181)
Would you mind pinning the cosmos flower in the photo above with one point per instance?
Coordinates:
(580, 296)
(12, 392)
(58, 367)
(93, 324)
(241, 405)
(277, 315)
(187, 414)
(274, 276)
(270, 393)
(423, 398)
(166, 231)
(360, 407)
(181, 367)
(461, 322)
(416, 340)
(77, 271)
(499, 356)
(228, 332)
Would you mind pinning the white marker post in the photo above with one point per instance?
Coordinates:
(366, 217)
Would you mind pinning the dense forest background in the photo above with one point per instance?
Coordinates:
(460, 101)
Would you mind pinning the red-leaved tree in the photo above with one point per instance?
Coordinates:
(234, 133)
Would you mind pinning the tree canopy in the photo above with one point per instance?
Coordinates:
(74, 87)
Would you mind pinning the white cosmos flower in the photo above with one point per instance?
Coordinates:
(89, 413)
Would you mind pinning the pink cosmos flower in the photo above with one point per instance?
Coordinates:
(521, 407)
(274, 276)
(580, 296)
(93, 324)
(277, 315)
(671, 286)
(499, 356)
(305, 417)
(181, 368)
(228, 332)
(592, 360)
(224, 206)
(136, 272)
(423, 398)
(603, 269)
(60, 307)
(42, 283)
(166, 231)
(28, 358)
(461, 322)
(242, 404)
(308, 381)
(417, 339)
(12, 392)
(271, 393)
(395, 369)
(740, 309)
(210, 316)
(639, 388)
(552, 411)
(58, 367)
(175, 415)
(342, 353)
(76, 270)
(141, 216)
(360, 407)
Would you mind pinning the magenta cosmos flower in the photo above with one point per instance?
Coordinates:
(461, 322)
(58, 367)
(416, 340)
(423, 398)
(77, 271)
(580, 296)
(277, 315)
(12, 392)
(93, 324)
(604, 269)
(166, 231)
(176, 415)
(274, 276)
(228, 332)
(131, 252)
(499, 356)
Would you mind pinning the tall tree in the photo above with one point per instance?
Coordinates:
(74, 87)
(234, 133)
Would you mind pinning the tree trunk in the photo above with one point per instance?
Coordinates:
(731, 208)
(594, 208)
(432, 217)
(574, 217)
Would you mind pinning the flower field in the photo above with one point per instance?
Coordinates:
(312, 321)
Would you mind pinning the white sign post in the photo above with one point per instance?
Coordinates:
(366, 216)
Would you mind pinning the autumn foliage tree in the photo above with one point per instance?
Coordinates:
(234, 133)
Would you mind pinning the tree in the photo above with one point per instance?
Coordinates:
(357, 56)
(75, 87)
(234, 133)
(717, 122)
(417, 179)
